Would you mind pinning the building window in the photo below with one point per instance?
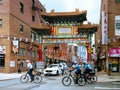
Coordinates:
(2, 60)
(117, 0)
(33, 36)
(33, 18)
(0, 1)
(29, 52)
(33, 3)
(117, 25)
(33, 53)
(21, 29)
(21, 51)
(41, 10)
(0, 22)
(21, 7)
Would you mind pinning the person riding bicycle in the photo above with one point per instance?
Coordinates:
(87, 68)
(30, 69)
(77, 68)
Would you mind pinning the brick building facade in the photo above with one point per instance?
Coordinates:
(16, 19)
(108, 45)
(22, 28)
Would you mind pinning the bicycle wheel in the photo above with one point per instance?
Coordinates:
(66, 81)
(37, 79)
(81, 81)
(24, 79)
(89, 79)
(93, 78)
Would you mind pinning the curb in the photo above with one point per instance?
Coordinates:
(116, 82)
(7, 79)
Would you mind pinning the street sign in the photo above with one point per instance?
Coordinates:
(40, 65)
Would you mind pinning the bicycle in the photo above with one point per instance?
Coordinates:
(90, 77)
(87, 79)
(67, 80)
(93, 77)
(37, 77)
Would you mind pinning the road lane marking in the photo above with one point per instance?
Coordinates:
(107, 88)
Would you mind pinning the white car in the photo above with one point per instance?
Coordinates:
(53, 69)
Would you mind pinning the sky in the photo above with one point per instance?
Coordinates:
(92, 7)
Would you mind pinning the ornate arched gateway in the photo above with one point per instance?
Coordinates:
(62, 29)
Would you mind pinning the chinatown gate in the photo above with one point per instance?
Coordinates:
(62, 30)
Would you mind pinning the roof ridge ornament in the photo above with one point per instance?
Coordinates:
(77, 9)
(89, 23)
(52, 11)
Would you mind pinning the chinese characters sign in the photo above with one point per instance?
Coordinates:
(104, 28)
(114, 52)
(66, 30)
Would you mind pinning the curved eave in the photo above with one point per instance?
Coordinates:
(41, 29)
(90, 28)
(52, 14)
(57, 17)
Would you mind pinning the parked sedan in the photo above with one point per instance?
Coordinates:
(53, 69)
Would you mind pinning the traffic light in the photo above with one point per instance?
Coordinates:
(91, 50)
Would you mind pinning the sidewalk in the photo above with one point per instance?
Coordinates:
(7, 76)
(101, 77)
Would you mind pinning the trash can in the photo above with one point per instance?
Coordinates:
(110, 66)
(99, 68)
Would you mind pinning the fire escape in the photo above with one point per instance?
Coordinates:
(36, 6)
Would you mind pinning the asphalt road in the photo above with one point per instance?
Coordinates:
(54, 83)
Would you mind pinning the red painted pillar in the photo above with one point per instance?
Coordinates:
(40, 53)
(88, 52)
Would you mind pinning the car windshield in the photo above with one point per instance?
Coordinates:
(53, 66)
